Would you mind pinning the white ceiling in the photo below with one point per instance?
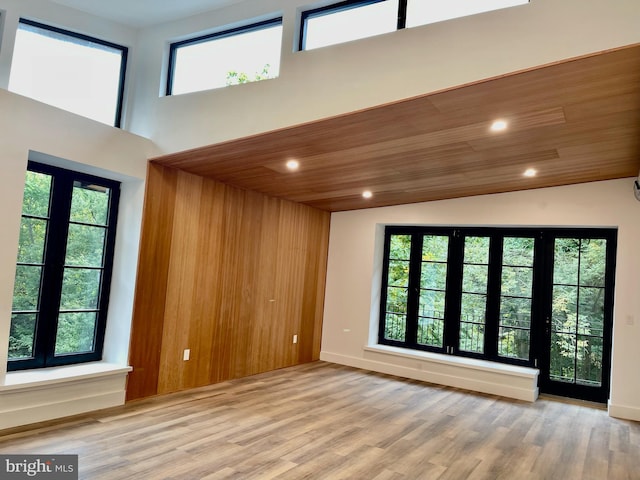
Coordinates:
(143, 13)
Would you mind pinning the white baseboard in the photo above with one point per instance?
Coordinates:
(503, 380)
(624, 412)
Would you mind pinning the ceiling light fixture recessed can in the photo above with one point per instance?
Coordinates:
(367, 194)
(530, 172)
(499, 126)
(293, 165)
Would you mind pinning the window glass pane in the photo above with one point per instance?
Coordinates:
(26, 290)
(398, 273)
(395, 326)
(78, 75)
(472, 337)
(472, 322)
(330, 27)
(33, 233)
(37, 194)
(591, 311)
(85, 246)
(473, 308)
(592, 262)
(517, 281)
(22, 335)
(431, 318)
(432, 303)
(433, 276)
(518, 251)
(431, 331)
(563, 351)
(396, 316)
(589, 360)
(475, 278)
(227, 59)
(435, 248)
(421, 12)
(476, 250)
(76, 333)
(565, 262)
(564, 308)
(400, 247)
(515, 312)
(89, 203)
(80, 289)
(515, 325)
(397, 300)
(514, 342)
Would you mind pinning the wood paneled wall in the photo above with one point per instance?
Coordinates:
(232, 275)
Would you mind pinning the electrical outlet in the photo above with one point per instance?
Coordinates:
(187, 354)
(295, 339)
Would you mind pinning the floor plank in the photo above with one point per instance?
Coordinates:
(326, 421)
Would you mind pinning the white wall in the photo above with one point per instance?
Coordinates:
(350, 316)
(30, 129)
(338, 79)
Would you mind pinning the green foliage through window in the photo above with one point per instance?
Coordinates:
(61, 281)
(509, 295)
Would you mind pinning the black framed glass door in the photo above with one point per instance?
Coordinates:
(578, 314)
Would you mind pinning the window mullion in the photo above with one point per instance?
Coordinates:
(54, 269)
(493, 297)
(541, 304)
(454, 292)
(402, 14)
(413, 300)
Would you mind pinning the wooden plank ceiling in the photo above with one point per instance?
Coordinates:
(575, 121)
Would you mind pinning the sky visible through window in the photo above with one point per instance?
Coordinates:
(208, 65)
(338, 26)
(422, 12)
(66, 72)
(352, 24)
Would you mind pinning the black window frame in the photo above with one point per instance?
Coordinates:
(173, 47)
(54, 264)
(541, 292)
(86, 38)
(342, 6)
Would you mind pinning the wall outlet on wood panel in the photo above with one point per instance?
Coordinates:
(295, 339)
(187, 354)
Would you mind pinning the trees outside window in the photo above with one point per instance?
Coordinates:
(235, 56)
(531, 297)
(63, 272)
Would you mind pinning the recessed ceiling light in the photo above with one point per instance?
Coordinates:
(530, 172)
(367, 194)
(498, 126)
(293, 165)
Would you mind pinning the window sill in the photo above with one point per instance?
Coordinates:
(43, 377)
(465, 362)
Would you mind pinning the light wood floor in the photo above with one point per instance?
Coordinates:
(324, 421)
